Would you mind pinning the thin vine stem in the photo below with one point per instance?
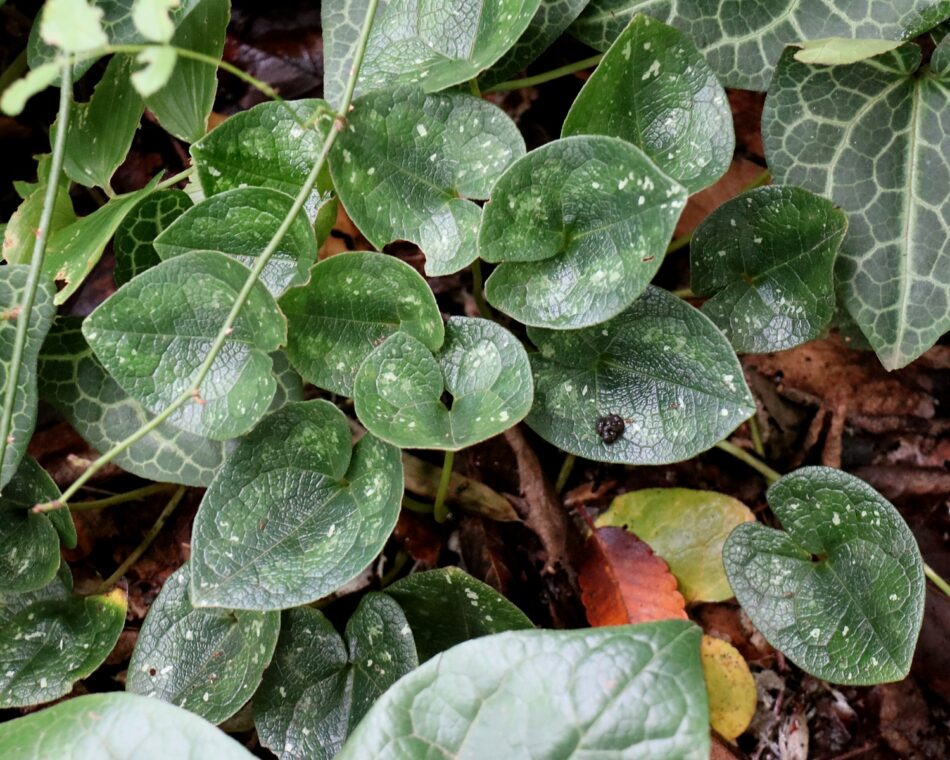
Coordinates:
(440, 511)
(567, 467)
(756, 464)
(175, 178)
(23, 314)
(478, 290)
(547, 76)
(123, 498)
(192, 394)
(936, 579)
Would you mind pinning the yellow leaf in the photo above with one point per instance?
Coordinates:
(729, 686)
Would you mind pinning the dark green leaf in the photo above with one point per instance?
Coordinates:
(19, 235)
(134, 238)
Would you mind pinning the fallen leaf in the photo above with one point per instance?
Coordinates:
(729, 686)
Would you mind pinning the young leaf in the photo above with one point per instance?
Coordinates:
(656, 384)
(353, 302)
(116, 725)
(49, 645)
(687, 529)
(841, 590)
(240, 223)
(153, 19)
(655, 90)
(447, 606)
(528, 694)
(894, 269)
(153, 334)
(581, 225)
(767, 260)
(158, 65)
(13, 279)
(72, 25)
(729, 686)
(742, 44)
(408, 162)
(319, 688)
(208, 661)
(291, 517)
(135, 236)
(16, 95)
(19, 234)
(398, 389)
(73, 381)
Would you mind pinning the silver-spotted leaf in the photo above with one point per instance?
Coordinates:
(656, 384)
(398, 389)
(408, 164)
(580, 227)
(134, 239)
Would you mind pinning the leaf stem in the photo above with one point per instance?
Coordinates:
(756, 464)
(547, 76)
(175, 178)
(399, 562)
(36, 263)
(478, 290)
(440, 511)
(110, 501)
(147, 540)
(936, 579)
(414, 505)
(756, 433)
(566, 468)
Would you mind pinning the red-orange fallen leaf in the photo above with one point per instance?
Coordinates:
(622, 581)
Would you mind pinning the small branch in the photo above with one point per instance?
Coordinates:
(936, 579)
(742, 455)
(547, 76)
(123, 498)
(440, 511)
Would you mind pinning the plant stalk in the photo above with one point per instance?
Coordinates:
(175, 178)
(758, 465)
(478, 290)
(440, 511)
(547, 76)
(566, 468)
(123, 498)
(936, 579)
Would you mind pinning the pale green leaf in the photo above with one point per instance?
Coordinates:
(157, 66)
(19, 235)
(19, 92)
(841, 50)
(153, 20)
(135, 236)
(73, 26)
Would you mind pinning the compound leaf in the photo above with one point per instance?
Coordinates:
(134, 239)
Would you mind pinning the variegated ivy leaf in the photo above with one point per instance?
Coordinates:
(295, 512)
(208, 661)
(881, 153)
(133, 245)
(579, 227)
(655, 90)
(743, 41)
(656, 384)
(398, 389)
(153, 334)
(408, 164)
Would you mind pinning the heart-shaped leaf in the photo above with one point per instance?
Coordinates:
(291, 517)
(208, 661)
(841, 590)
(893, 274)
(153, 334)
(687, 529)
(767, 259)
(13, 284)
(119, 726)
(581, 225)
(729, 686)
(320, 687)
(407, 163)
(447, 606)
(530, 694)
(398, 389)
(352, 303)
(240, 223)
(656, 384)
(654, 89)
(135, 236)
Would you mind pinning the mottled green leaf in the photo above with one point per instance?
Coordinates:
(767, 260)
(398, 389)
(580, 226)
(447, 606)
(874, 138)
(352, 303)
(840, 591)
(625, 692)
(656, 384)
(134, 238)
(320, 687)
(72, 25)
(291, 517)
(840, 50)
(208, 661)
(118, 726)
(153, 334)
(408, 163)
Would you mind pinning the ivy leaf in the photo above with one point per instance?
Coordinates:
(655, 90)
(398, 389)
(687, 529)
(841, 590)
(447, 606)
(767, 260)
(893, 273)
(743, 44)
(581, 225)
(153, 334)
(656, 384)
(291, 517)
(116, 725)
(320, 687)
(208, 661)
(408, 163)
(49, 645)
(729, 686)
(353, 302)
(135, 235)
(13, 280)
(73, 26)
(240, 223)
(518, 694)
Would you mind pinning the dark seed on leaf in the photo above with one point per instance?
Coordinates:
(610, 427)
